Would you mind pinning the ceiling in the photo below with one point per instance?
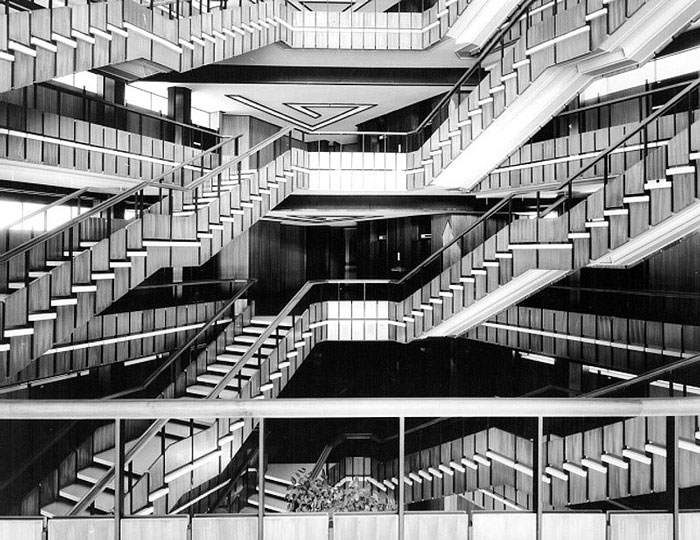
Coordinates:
(309, 106)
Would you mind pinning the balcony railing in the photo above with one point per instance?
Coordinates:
(680, 454)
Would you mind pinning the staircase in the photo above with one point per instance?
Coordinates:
(619, 460)
(171, 433)
(653, 204)
(278, 477)
(528, 254)
(56, 283)
(132, 40)
(545, 59)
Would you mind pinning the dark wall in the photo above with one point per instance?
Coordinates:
(277, 259)
(666, 287)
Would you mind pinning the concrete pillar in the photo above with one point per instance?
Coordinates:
(180, 110)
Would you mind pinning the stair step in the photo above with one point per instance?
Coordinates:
(137, 253)
(597, 224)
(181, 430)
(265, 349)
(102, 276)
(229, 358)
(19, 332)
(270, 504)
(616, 212)
(83, 288)
(54, 263)
(64, 301)
(201, 390)
(223, 369)
(631, 199)
(214, 379)
(143, 459)
(41, 316)
(658, 184)
(37, 273)
(15, 285)
(242, 338)
(268, 320)
(56, 509)
(120, 264)
(74, 492)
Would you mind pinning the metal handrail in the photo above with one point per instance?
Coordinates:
(145, 384)
(46, 208)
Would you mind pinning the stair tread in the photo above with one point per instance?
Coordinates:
(213, 378)
(143, 459)
(56, 509)
(203, 390)
(74, 492)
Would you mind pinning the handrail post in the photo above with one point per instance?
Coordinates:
(261, 478)
(537, 463)
(402, 466)
(118, 478)
(672, 471)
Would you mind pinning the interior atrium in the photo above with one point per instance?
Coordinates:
(349, 269)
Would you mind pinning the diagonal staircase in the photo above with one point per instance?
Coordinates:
(102, 454)
(129, 38)
(543, 61)
(57, 282)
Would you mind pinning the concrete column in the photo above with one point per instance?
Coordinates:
(180, 110)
